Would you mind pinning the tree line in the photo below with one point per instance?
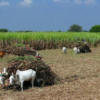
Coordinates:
(78, 28)
(73, 28)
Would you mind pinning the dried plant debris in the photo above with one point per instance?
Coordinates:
(19, 50)
(44, 75)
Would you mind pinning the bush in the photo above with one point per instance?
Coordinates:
(95, 28)
(4, 30)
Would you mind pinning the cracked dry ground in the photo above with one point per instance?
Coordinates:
(80, 76)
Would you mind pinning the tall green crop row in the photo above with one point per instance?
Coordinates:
(48, 36)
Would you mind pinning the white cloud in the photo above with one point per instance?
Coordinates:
(3, 3)
(61, 1)
(78, 2)
(89, 1)
(26, 3)
(85, 1)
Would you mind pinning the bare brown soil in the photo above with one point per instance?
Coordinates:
(80, 76)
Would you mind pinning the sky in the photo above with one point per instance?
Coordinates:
(48, 15)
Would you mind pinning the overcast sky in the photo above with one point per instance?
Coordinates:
(48, 15)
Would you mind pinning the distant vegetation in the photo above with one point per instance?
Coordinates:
(72, 28)
(4, 30)
(95, 28)
(49, 36)
(75, 28)
(50, 39)
(47, 40)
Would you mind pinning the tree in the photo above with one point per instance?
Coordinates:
(4, 30)
(95, 28)
(75, 28)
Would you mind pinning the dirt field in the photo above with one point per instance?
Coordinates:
(80, 76)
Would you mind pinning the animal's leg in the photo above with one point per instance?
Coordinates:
(21, 85)
(43, 83)
(32, 82)
(0, 82)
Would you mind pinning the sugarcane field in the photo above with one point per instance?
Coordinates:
(33, 69)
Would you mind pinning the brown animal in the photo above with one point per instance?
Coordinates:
(2, 53)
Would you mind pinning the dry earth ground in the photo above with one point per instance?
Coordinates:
(80, 76)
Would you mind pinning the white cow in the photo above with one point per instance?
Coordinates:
(64, 49)
(22, 76)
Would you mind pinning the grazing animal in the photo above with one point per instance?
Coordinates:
(4, 72)
(78, 50)
(2, 53)
(26, 75)
(11, 79)
(64, 49)
(82, 50)
(75, 50)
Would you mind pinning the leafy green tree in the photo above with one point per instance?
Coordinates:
(95, 28)
(4, 30)
(75, 28)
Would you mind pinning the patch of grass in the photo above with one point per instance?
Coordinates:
(71, 52)
(3, 59)
(82, 56)
(22, 58)
(18, 45)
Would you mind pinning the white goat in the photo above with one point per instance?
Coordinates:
(78, 50)
(75, 50)
(11, 79)
(25, 76)
(64, 49)
(2, 79)
(4, 72)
